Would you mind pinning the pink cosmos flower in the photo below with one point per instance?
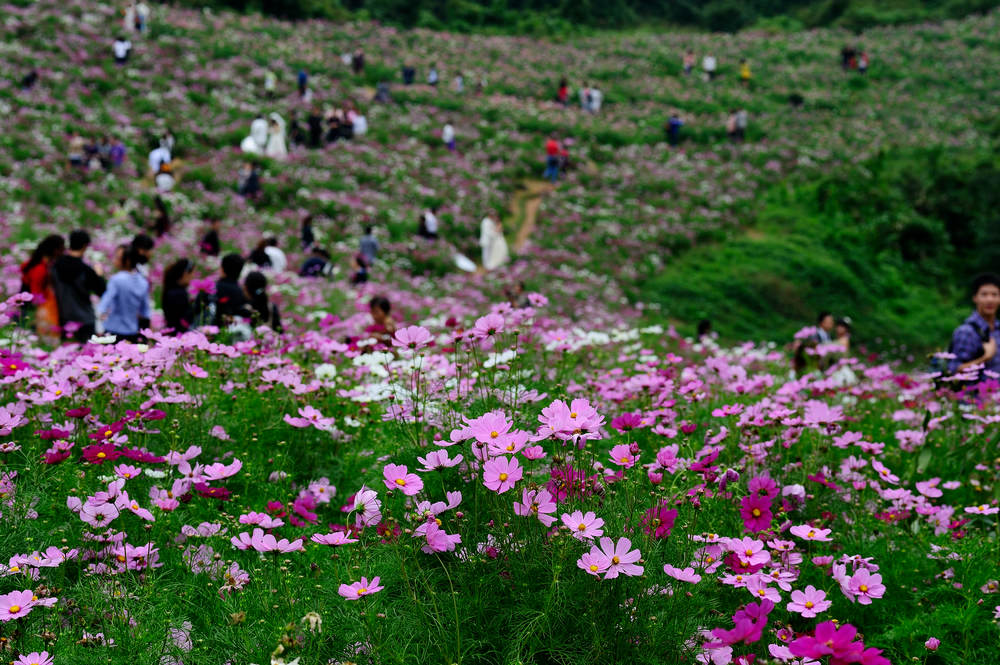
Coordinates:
(336, 538)
(486, 329)
(398, 477)
(929, 488)
(866, 585)
(659, 520)
(622, 456)
(683, 575)
(807, 532)
(15, 605)
(412, 337)
(310, 417)
(437, 539)
(621, 556)
(828, 640)
(195, 371)
(758, 585)
(265, 542)
(99, 516)
(501, 473)
(218, 471)
(367, 504)
(262, 520)
(127, 471)
(932, 644)
(594, 562)
(756, 513)
(583, 526)
(982, 509)
(357, 590)
(219, 432)
(438, 459)
(809, 603)
(35, 658)
(884, 473)
(537, 503)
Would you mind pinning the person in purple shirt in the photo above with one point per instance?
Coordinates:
(975, 341)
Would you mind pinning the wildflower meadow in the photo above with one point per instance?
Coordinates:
(563, 477)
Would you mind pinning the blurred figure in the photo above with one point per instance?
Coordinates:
(174, 298)
(279, 262)
(709, 65)
(307, 236)
(674, 125)
(124, 307)
(74, 281)
(262, 311)
(383, 326)
(318, 264)
(688, 62)
(369, 246)
(551, 159)
(210, 245)
(36, 279)
(745, 74)
(121, 49)
(493, 243)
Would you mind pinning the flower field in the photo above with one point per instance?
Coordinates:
(561, 480)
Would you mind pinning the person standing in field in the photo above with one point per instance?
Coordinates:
(674, 129)
(551, 159)
(688, 62)
(745, 74)
(36, 279)
(709, 64)
(562, 95)
(448, 136)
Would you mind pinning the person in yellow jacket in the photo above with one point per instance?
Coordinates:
(745, 74)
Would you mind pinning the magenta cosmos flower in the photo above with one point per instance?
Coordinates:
(865, 586)
(35, 658)
(659, 520)
(809, 603)
(621, 556)
(756, 513)
(360, 589)
(501, 473)
(15, 605)
(621, 455)
(397, 477)
(412, 337)
(583, 526)
(828, 640)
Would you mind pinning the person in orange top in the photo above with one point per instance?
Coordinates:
(37, 281)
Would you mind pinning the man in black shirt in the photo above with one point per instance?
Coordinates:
(74, 281)
(230, 298)
(210, 245)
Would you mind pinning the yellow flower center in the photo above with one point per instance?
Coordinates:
(615, 560)
(623, 460)
(709, 559)
(121, 559)
(400, 482)
(135, 506)
(572, 415)
(362, 591)
(808, 604)
(593, 568)
(534, 507)
(108, 433)
(503, 476)
(863, 588)
(810, 534)
(494, 434)
(761, 592)
(127, 475)
(510, 447)
(101, 455)
(582, 527)
(755, 512)
(14, 609)
(12, 366)
(749, 552)
(58, 392)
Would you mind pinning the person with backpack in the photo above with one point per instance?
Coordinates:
(975, 341)
(74, 282)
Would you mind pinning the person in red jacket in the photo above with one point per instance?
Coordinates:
(36, 280)
(552, 150)
(563, 95)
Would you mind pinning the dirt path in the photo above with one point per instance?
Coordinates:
(524, 209)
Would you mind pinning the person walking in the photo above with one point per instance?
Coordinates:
(448, 136)
(709, 64)
(428, 224)
(73, 283)
(493, 243)
(745, 74)
(674, 129)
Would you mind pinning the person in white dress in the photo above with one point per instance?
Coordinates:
(276, 147)
(493, 244)
(258, 131)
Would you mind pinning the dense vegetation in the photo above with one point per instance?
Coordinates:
(569, 16)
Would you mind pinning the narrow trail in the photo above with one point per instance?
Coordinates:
(524, 209)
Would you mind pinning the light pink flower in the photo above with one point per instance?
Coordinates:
(15, 605)
(683, 575)
(398, 477)
(195, 371)
(982, 509)
(501, 473)
(809, 603)
(807, 532)
(866, 585)
(218, 471)
(438, 459)
(623, 559)
(412, 337)
(594, 562)
(336, 538)
(758, 586)
(360, 589)
(537, 503)
(622, 456)
(884, 473)
(583, 526)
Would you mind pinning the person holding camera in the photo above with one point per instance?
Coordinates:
(975, 341)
